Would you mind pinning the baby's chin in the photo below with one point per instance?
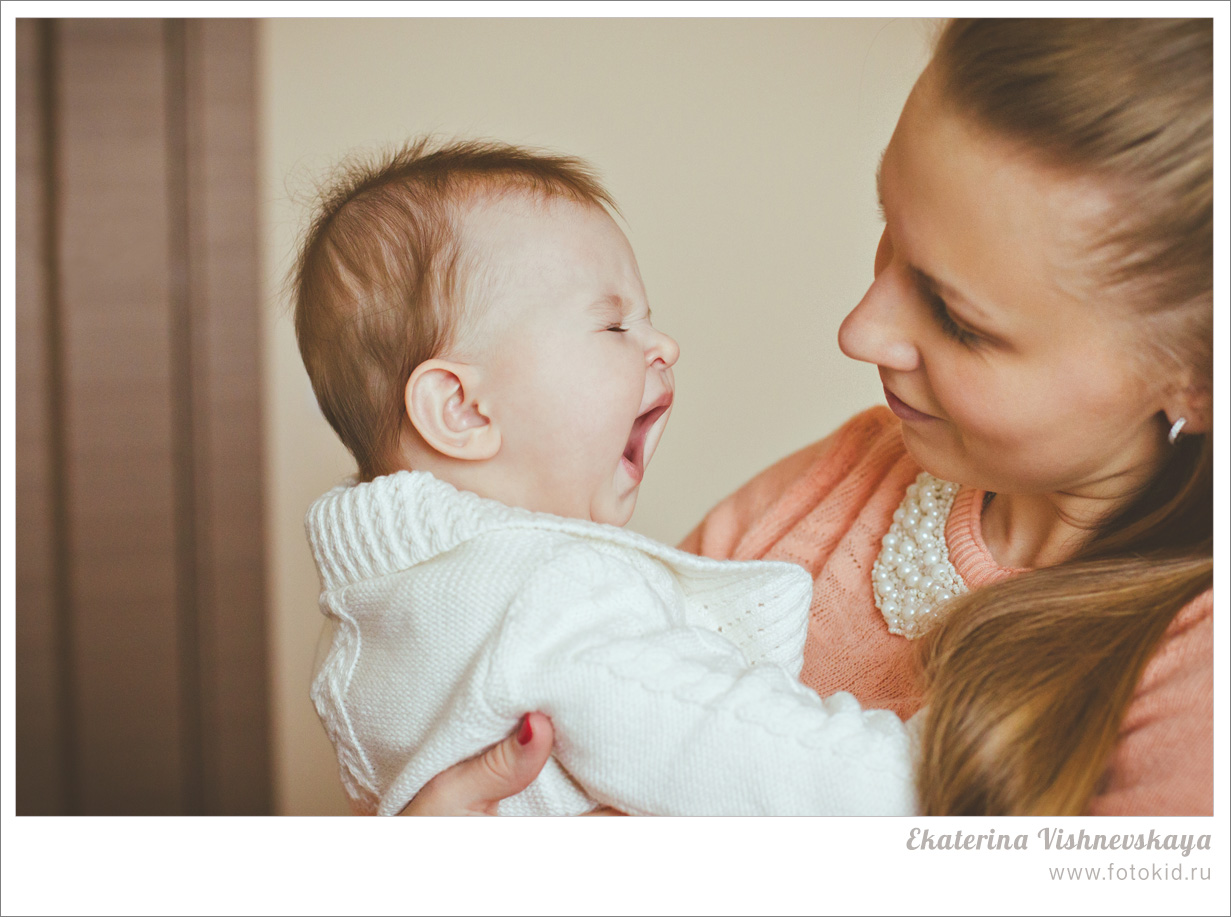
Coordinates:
(618, 512)
(618, 518)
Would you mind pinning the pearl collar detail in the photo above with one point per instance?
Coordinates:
(912, 575)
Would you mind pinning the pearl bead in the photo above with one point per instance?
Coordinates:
(913, 575)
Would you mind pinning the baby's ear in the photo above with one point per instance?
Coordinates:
(446, 414)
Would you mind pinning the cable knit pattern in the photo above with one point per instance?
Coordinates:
(827, 507)
(669, 677)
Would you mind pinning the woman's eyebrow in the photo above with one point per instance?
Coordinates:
(880, 195)
(967, 312)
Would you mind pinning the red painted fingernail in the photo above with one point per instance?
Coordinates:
(525, 734)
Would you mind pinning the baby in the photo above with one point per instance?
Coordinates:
(476, 331)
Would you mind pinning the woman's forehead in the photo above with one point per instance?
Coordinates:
(982, 217)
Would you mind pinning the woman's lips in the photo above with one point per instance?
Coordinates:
(904, 410)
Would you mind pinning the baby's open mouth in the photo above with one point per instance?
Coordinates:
(634, 450)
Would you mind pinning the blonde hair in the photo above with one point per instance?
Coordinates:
(1027, 681)
(381, 280)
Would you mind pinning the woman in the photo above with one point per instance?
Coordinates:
(1041, 318)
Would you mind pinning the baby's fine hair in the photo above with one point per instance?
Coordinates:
(381, 278)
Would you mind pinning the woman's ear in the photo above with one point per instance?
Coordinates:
(442, 408)
(1195, 405)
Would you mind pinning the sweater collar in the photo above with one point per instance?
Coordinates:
(968, 552)
(363, 530)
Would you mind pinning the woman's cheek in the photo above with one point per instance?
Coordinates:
(986, 411)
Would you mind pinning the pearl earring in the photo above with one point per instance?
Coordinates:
(1175, 430)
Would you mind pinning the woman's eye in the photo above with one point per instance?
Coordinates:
(950, 328)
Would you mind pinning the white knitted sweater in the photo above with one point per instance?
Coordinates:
(669, 678)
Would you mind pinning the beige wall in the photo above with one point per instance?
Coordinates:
(742, 154)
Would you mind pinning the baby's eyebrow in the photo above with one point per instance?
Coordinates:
(610, 301)
(616, 302)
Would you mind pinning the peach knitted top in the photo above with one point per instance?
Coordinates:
(827, 507)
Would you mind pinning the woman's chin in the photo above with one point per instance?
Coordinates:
(930, 458)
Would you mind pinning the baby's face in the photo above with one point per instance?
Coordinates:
(579, 382)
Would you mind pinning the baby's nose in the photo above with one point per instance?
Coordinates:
(663, 348)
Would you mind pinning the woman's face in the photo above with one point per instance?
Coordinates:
(1009, 367)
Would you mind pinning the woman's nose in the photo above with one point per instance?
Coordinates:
(663, 347)
(877, 330)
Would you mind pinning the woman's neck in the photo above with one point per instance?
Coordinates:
(1031, 530)
(1039, 530)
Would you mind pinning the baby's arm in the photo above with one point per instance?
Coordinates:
(655, 717)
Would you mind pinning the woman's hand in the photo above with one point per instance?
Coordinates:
(476, 785)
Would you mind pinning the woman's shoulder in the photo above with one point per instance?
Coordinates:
(1164, 761)
(857, 438)
(872, 437)
(1185, 654)
(1198, 612)
(864, 447)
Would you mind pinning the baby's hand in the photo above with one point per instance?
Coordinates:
(476, 785)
